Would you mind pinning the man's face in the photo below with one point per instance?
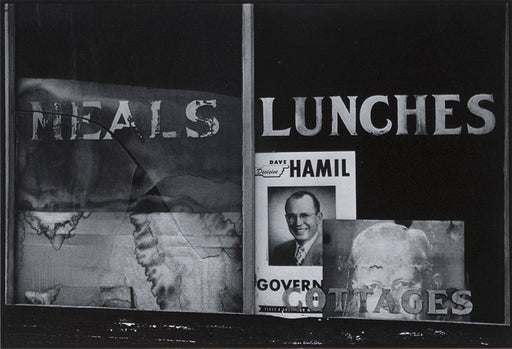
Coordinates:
(385, 265)
(302, 218)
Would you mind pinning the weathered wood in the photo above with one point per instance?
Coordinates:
(36, 326)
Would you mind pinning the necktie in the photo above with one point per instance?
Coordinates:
(300, 253)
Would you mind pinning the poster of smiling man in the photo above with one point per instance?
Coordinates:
(295, 192)
(295, 224)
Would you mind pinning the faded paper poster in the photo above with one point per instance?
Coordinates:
(295, 193)
(127, 197)
(396, 270)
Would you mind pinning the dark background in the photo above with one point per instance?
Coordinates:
(398, 48)
(297, 55)
(180, 46)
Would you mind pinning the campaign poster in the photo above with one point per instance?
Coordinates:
(295, 193)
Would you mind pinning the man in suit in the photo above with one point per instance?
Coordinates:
(304, 218)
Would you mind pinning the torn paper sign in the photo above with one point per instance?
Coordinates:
(86, 145)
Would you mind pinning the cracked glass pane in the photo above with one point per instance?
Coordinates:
(128, 160)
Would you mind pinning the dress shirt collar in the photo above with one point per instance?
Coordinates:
(307, 245)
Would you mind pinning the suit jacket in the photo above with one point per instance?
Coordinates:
(284, 254)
